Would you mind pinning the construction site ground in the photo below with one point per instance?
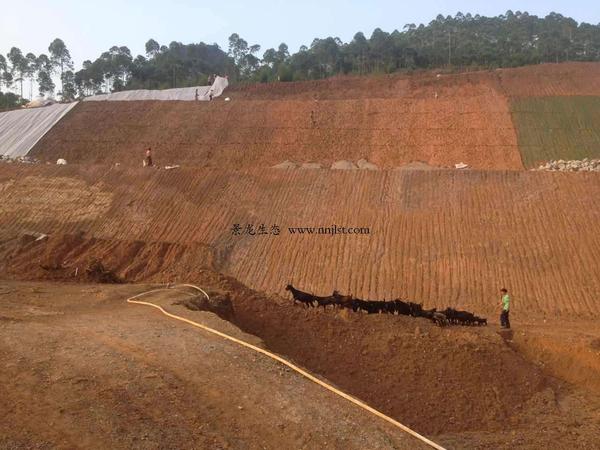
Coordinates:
(81, 368)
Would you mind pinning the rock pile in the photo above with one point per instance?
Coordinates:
(584, 165)
(20, 159)
(337, 165)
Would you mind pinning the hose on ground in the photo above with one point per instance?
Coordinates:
(277, 358)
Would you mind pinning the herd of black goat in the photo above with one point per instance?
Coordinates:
(449, 316)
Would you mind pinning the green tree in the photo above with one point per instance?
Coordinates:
(512, 39)
(9, 100)
(44, 75)
(69, 87)
(31, 71)
(244, 56)
(152, 48)
(18, 66)
(61, 59)
(3, 70)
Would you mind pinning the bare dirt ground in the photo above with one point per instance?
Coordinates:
(81, 368)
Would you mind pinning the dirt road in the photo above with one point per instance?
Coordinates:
(82, 369)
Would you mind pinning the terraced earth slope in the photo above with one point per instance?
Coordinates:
(440, 119)
(439, 237)
(470, 123)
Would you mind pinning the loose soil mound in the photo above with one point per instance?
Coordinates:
(286, 165)
(408, 368)
(444, 238)
(83, 369)
(366, 165)
(86, 259)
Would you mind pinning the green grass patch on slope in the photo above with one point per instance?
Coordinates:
(557, 128)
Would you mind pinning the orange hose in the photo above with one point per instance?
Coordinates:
(281, 360)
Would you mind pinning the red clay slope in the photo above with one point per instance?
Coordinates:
(389, 120)
(439, 237)
(577, 78)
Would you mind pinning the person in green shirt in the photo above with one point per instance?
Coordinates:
(505, 303)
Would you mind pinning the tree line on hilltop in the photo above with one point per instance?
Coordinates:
(462, 41)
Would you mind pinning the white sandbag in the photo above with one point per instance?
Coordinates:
(39, 102)
(310, 165)
(285, 165)
(343, 165)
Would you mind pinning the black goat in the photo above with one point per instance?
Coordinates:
(439, 319)
(343, 301)
(401, 307)
(480, 321)
(449, 316)
(428, 314)
(324, 301)
(416, 309)
(299, 296)
(458, 317)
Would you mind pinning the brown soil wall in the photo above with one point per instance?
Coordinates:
(440, 119)
(438, 237)
(472, 126)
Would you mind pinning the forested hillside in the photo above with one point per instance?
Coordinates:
(463, 41)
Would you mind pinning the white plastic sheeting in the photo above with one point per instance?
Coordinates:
(20, 130)
(184, 94)
(40, 101)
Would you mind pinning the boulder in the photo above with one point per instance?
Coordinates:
(311, 165)
(286, 165)
(343, 165)
(366, 165)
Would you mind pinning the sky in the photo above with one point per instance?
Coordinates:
(88, 29)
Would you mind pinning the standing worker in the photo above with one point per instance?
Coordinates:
(505, 303)
(148, 158)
